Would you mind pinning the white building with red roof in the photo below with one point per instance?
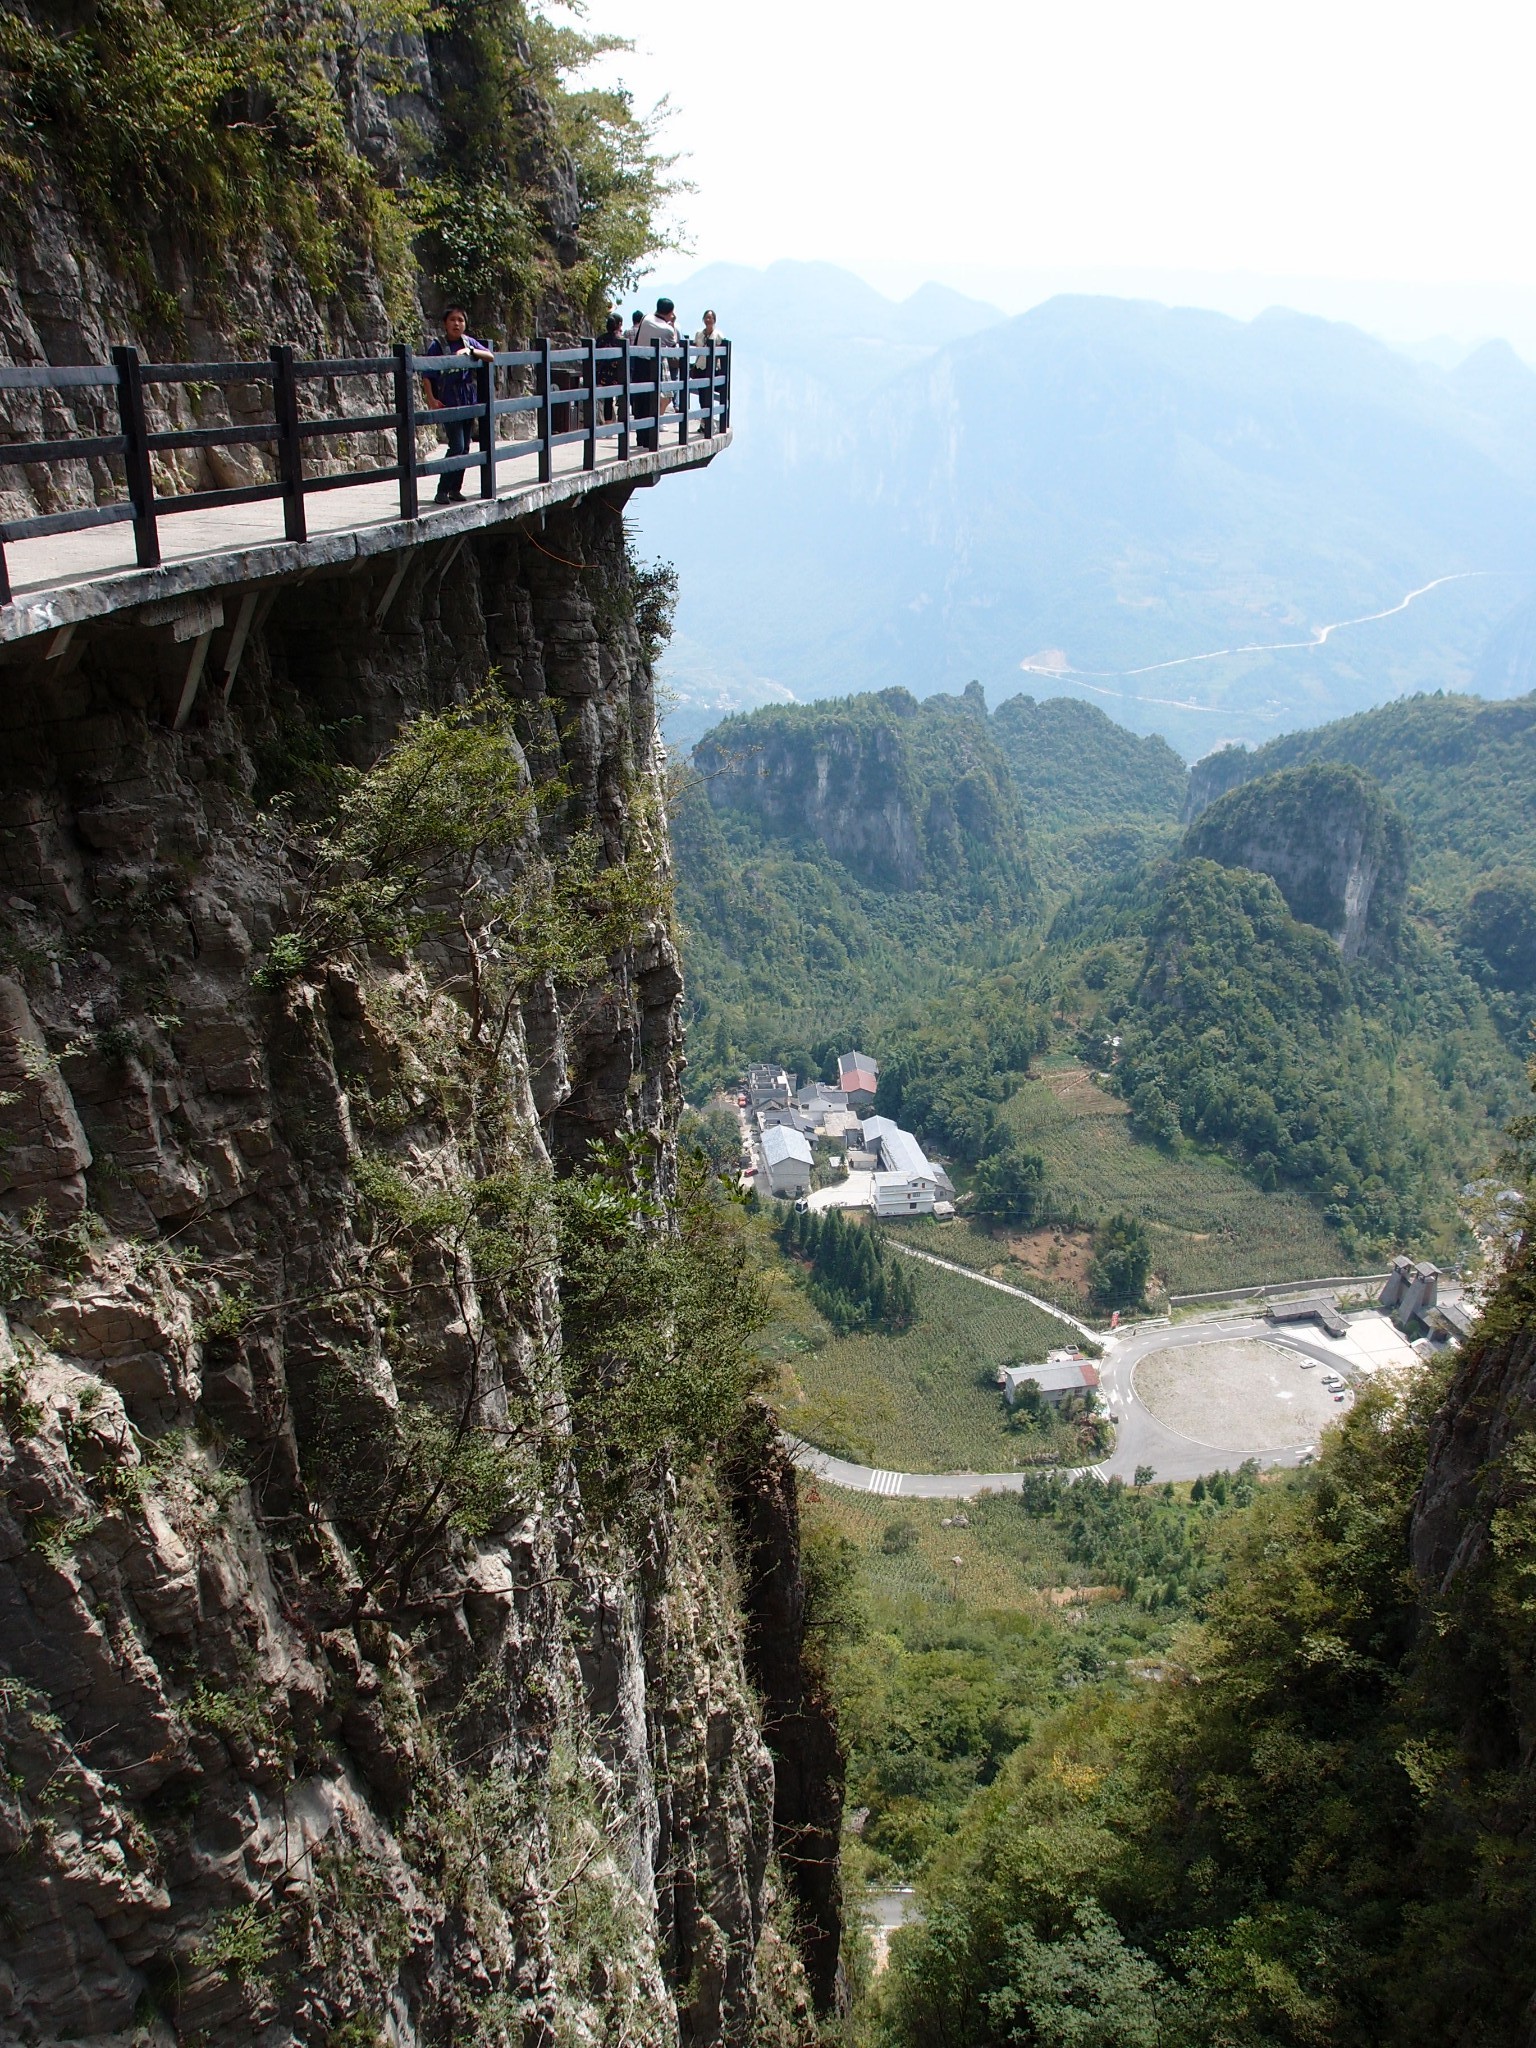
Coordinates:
(858, 1077)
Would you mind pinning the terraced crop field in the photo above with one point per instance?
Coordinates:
(998, 1560)
(1209, 1226)
(966, 1242)
(925, 1401)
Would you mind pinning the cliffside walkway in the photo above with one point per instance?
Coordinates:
(311, 488)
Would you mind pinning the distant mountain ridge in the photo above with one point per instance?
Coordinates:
(1127, 483)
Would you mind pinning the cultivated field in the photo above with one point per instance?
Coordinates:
(1209, 1226)
(924, 1401)
(1023, 1261)
(1002, 1560)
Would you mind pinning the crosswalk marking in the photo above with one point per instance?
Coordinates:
(885, 1482)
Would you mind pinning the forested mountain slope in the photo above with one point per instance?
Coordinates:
(1261, 988)
(1104, 486)
(1315, 1829)
(1463, 772)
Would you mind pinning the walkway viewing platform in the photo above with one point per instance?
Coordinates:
(549, 423)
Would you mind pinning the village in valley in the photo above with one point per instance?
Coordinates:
(1256, 1371)
(877, 1165)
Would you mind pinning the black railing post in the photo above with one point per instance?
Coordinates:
(405, 430)
(589, 453)
(141, 483)
(546, 415)
(290, 452)
(709, 402)
(685, 374)
(725, 400)
(5, 581)
(486, 377)
(624, 407)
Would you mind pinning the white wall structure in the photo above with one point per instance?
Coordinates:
(907, 1183)
(787, 1160)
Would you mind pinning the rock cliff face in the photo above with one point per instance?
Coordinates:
(1326, 834)
(908, 796)
(201, 187)
(526, 1797)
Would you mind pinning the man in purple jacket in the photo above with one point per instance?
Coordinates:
(447, 388)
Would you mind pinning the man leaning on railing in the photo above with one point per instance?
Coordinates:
(447, 388)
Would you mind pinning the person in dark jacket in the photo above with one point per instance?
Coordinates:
(612, 371)
(449, 388)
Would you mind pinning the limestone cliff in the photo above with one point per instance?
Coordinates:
(338, 1705)
(1326, 834)
(908, 796)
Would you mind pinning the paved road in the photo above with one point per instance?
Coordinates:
(1139, 1438)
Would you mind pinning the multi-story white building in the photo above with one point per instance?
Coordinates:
(906, 1183)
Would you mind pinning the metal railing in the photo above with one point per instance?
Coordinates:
(692, 380)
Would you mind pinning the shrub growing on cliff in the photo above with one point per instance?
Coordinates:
(242, 118)
(439, 841)
(655, 1315)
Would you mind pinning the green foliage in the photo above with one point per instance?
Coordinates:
(1462, 769)
(1251, 1031)
(1122, 1260)
(233, 115)
(1304, 827)
(241, 1942)
(439, 840)
(657, 1306)
(1310, 1832)
(715, 1134)
(855, 1282)
(1154, 1545)
(489, 228)
(404, 1477)
(1075, 767)
(22, 1416)
(36, 1252)
(1009, 1184)
(794, 945)
(244, 119)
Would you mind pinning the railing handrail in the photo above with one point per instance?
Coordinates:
(693, 377)
(104, 376)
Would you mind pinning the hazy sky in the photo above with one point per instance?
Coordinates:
(1321, 138)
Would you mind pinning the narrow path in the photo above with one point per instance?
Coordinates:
(1103, 1338)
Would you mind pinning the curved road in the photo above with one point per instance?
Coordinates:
(1140, 1438)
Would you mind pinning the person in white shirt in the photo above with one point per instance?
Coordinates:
(658, 326)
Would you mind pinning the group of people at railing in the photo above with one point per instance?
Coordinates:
(451, 388)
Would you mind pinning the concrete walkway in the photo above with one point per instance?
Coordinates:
(68, 578)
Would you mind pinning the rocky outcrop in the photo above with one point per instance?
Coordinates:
(799, 1719)
(1327, 835)
(525, 1797)
(908, 796)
